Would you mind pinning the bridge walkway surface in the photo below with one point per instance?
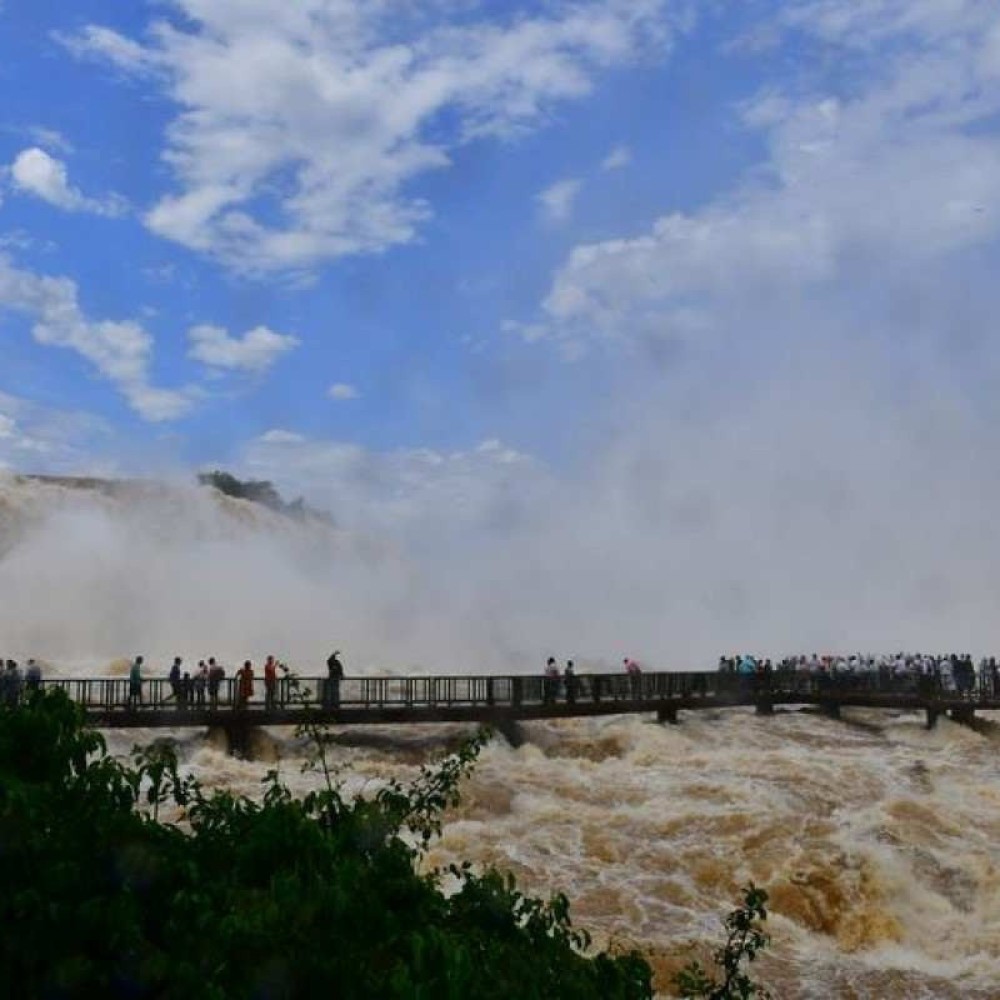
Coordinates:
(503, 701)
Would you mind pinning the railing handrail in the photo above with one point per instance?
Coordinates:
(116, 697)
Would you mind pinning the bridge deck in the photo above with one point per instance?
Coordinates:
(498, 699)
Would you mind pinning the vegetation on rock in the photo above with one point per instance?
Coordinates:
(260, 491)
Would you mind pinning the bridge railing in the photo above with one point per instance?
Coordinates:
(113, 694)
(514, 691)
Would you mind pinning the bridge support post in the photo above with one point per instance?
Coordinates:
(965, 715)
(511, 732)
(764, 706)
(831, 709)
(932, 717)
(238, 739)
(667, 713)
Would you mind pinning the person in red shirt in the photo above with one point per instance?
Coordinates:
(270, 683)
(244, 686)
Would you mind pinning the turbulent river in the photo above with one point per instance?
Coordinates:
(877, 840)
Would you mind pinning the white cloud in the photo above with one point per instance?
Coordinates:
(37, 173)
(302, 124)
(22, 240)
(256, 351)
(95, 41)
(414, 492)
(342, 391)
(278, 436)
(50, 138)
(865, 25)
(557, 199)
(891, 172)
(529, 332)
(35, 438)
(120, 350)
(618, 158)
(499, 452)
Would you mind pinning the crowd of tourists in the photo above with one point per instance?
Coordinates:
(950, 672)
(201, 689)
(205, 685)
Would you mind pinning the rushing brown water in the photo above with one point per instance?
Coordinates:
(877, 840)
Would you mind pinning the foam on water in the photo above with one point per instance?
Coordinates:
(881, 854)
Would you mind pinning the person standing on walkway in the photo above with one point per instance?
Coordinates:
(244, 684)
(187, 690)
(569, 682)
(200, 683)
(216, 674)
(335, 674)
(270, 683)
(175, 681)
(135, 683)
(634, 672)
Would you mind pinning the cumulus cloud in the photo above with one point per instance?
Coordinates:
(558, 199)
(256, 351)
(300, 126)
(37, 173)
(121, 351)
(342, 391)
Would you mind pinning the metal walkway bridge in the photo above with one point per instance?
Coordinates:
(503, 701)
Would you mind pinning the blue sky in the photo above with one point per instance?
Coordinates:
(408, 315)
(441, 265)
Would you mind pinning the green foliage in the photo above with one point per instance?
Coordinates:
(259, 491)
(744, 939)
(282, 897)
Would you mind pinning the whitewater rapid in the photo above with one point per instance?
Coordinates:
(877, 840)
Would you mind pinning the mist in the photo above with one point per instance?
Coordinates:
(840, 497)
(166, 568)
